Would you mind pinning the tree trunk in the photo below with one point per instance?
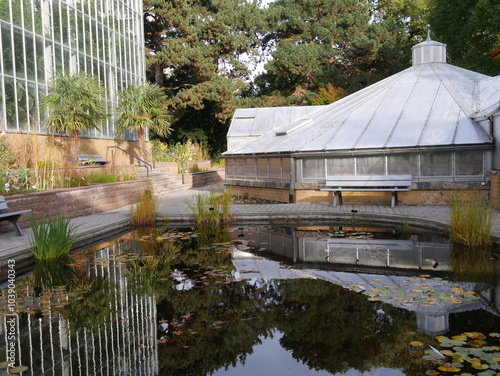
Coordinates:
(141, 141)
(73, 146)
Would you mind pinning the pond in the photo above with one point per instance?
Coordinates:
(269, 300)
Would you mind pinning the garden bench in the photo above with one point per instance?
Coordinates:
(13, 216)
(89, 159)
(368, 183)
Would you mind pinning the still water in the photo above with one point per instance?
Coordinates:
(324, 300)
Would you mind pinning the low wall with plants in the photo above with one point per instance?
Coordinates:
(76, 202)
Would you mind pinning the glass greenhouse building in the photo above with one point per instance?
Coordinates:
(104, 38)
(435, 122)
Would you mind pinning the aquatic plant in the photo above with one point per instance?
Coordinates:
(471, 219)
(467, 353)
(52, 237)
(212, 207)
(143, 213)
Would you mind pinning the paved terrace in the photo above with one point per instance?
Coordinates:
(174, 211)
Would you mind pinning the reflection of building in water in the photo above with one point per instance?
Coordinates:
(120, 342)
(363, 265)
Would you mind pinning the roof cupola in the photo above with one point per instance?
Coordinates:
(429, 51)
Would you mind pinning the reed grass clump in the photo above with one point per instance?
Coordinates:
(143, 213)
(212, 207)
(471, 219)
(52, 237)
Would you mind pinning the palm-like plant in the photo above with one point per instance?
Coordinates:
(75, 104)
(143, 107)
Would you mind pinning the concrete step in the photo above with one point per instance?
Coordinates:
(163, 182)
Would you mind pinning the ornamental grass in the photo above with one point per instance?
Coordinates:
(51, 237)
(143, 213)
(471, 219)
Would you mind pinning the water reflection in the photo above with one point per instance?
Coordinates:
(374, 259)
(199, 303)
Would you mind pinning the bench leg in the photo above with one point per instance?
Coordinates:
(394, 199)
(13, 220)
(337, 197)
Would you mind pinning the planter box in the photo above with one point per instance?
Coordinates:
(76, 202)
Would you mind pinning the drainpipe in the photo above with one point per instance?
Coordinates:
(292, 181)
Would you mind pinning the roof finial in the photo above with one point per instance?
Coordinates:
(428, 32)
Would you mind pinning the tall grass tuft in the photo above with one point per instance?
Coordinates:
(51, 238)
(471, 219)
(143, 213)
(212, 207)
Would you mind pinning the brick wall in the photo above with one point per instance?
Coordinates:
(200, 179)
(414, 197)
(280, 195)
(495, 188)
(76, 202)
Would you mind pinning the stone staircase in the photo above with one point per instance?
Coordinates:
(162, 181)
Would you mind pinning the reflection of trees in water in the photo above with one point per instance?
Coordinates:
(324, 326)
(333, 329)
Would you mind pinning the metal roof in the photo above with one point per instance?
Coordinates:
(429, 104)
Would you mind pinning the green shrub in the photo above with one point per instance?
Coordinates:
(51, 238)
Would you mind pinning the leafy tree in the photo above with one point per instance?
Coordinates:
(197, 51)
(328, 94)
(75, 104)
(315, 42)
(143, 107)
(471, 30)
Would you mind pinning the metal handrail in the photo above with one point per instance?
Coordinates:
(136, 157)
(183, 168)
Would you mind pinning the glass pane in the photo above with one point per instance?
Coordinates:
(7, 52)
(374, 165)
(64, 24)
(37, 12)
(58, 57)
(56, 21)
(22, 105)
(18, 51)
(239, 168)
(30, 56)
(33, 107)
(40, 65)
(275, 169)
(229, 166)
(16, 12)
(402, 164)
(436, 164)
(469, 163)
(250, 169)
(10, 104)
(262, 169)
(313, 168)
(28, 21)
(286, 165)
(4, 11)
(340, 166)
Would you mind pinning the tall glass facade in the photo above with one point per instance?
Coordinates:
(104, 38)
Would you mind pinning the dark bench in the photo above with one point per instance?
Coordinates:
(89, 159)
(11, 217)
(368, 183)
